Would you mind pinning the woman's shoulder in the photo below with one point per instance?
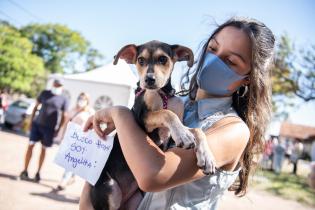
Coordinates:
(230, 122)
(176, 100)
(228, 138)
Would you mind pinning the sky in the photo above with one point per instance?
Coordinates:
(110, 25)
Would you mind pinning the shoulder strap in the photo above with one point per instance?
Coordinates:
(225, 121)
(75, 115)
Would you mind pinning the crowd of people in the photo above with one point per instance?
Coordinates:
(277, 150)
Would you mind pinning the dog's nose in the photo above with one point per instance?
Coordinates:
(150, 79)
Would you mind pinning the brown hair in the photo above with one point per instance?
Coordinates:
(255, 106)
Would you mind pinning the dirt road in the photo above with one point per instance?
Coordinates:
(23, 195)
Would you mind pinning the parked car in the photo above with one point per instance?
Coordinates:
(18, 111)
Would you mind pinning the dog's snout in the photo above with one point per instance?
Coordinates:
(150, 79)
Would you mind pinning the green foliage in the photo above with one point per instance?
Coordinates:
(294, 71)
(60, 47)
(292, 76)
(282, 83)
(305, 75)
(29, 54)
(286, 185)
(20, 70)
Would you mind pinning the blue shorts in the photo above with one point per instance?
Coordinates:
(43, 134)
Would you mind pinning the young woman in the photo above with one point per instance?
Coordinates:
(229, 99)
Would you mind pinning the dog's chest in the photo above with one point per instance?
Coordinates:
(147, 103)
(153, 100)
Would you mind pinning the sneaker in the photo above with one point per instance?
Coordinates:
(60, 188)
(37, 177)
(24, 175)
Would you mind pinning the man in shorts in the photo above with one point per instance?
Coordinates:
(44, 126)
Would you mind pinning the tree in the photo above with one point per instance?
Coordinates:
(62, 49)
(294, 72)
(293, 75)
(304, 77)
(20, 70)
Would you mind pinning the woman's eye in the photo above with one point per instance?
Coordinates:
(212, 49)
(162, 60)
(230, 63)
(141, 61)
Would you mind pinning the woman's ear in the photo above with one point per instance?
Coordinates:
(246, 81)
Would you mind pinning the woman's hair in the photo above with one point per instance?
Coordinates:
(255, 106)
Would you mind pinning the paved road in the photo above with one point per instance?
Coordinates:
(22, 195)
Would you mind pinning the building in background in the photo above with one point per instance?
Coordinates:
(302, 133)
(107, 85)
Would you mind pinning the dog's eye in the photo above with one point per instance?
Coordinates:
(162, 60)
(141, 61)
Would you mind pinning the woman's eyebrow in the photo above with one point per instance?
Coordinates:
(216, 41)
(234, 53)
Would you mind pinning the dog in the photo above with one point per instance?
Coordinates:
(154, 62)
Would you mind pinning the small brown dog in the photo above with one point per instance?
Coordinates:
(156, 110)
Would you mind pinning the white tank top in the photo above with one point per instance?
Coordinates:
(203, 193)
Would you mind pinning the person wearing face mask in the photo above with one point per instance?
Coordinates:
(229, 97)
(53, 105)
(79, 114)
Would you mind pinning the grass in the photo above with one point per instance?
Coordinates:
(286, 185)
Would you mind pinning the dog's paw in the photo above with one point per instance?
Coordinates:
(183, 138)
(149, 129)
(205, 159)
(164, 134)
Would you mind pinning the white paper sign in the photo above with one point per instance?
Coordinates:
(83, 153)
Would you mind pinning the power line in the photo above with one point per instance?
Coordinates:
(11, 18)
(24, 9)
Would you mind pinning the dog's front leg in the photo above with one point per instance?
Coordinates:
(165, 118)
(205, 159)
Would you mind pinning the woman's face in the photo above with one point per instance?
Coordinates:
(82, 101)
(233, 46)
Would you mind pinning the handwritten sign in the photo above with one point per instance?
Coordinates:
(83, 153)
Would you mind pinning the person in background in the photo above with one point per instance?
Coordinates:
(278, 155)
(79, 114)
(296, 154)
(313, 152)
(44, 126)
(267, 155)
(311, 176)
(3, 105)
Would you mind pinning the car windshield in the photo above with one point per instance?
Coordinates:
(20, 104)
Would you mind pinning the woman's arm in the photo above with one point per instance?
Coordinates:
(156, 170)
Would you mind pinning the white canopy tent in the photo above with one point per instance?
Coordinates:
(107, 85)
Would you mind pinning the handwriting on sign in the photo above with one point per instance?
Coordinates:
(83, 153)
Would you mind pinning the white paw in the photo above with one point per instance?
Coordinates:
(183, 137)
(205, 159)
(164, 134)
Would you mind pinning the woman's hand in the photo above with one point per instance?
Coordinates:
(101, 119)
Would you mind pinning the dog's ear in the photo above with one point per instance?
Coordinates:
(183, 54)
(128, 53)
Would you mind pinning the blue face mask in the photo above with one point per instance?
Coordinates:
(215, 76)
